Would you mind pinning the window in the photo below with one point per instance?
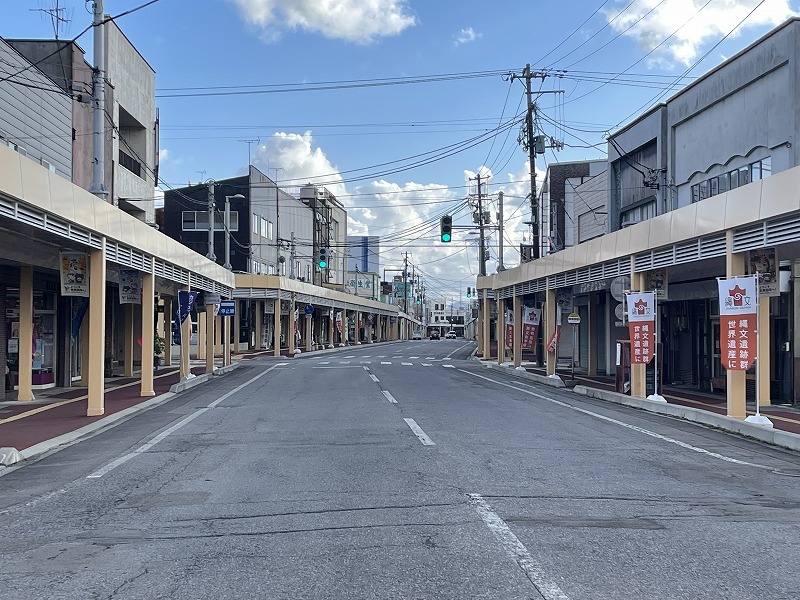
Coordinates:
(271, 269)
(703, 190)
(724, 183)
(131, 164)
(255, 223)
(766, 167)
(263, 228)
(269, 230)
(744, 175)
(713, 184)
(197, 220)
(696, 192)
(734, 179)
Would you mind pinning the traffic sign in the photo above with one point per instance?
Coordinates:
(574, 319)
(227, 308)
(309, 309)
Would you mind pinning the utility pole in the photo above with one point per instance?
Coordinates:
(98, 187)
(482, 251)
(500, 265)
(532, 162)
(405, 283)
(291, 257)
(211, 255)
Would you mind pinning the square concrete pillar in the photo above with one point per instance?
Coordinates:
(500, 332)
(208, 330)
(549, 329)
(201, 337)
(293, 325)
(228, 334)
(237, 319)
(97, 331)
(25, 375)
(186, 339)
(148, 334)
(591, 328)
(259, 323)
(169, 303)
(517, 331)
(764, 353)
(308, 329)
(486, 326)
(85, 350)
(276, 326)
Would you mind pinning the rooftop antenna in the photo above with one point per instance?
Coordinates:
(56, 19)
(249, 142)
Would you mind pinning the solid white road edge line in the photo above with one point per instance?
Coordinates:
(389, 397)
(516, 549)
(423, 437)
(461, 348)
(145, 447)
(626, 425)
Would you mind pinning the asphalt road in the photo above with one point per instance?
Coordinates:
(401, 471)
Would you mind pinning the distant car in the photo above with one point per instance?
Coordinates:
(450, 335)
(435, 335)
(417, 335)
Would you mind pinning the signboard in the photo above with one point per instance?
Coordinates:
(74, 267)
(182, 310)
(531, 317)
(738, 306)
(658, 282)
(130, 286)
(309, 310)
(227, 308)
(509, 328)
(763, 263)
(641, 326)
(212, 298)
(339, 321)
(574, 319)
(565, 299)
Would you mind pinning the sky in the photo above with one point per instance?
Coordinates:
(397, 105)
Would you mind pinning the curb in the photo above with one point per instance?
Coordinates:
(776, 437)
(198, 379)
(509, 370)
(65, 440)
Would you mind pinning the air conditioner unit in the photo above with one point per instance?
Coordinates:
(627, 222)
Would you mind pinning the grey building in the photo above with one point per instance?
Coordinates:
(364, 253)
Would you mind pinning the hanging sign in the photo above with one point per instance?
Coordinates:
(182, 310)
(764, 264)
(641, 326)
(509, 328)
(130, 286)
(74, 274)
(738, 307)
(531, 317)
(552, 345)
(339, 321)
(78, 308)
(658, 281)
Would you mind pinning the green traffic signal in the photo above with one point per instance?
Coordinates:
(446, 228)
(445, 237)
(322, 264)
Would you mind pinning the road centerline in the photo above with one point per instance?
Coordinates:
(423, 437)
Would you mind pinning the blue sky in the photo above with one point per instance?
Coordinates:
(351, 136)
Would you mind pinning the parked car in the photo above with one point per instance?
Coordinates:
(435, 335)
(450, 335)
(417, 335)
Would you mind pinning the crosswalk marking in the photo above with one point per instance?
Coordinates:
(407, 364)
(385, 363)
(426, 364)
(325, 362)
(344, 362)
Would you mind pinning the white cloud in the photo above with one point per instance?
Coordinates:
(406, 212)
(359, 21)
(710, 24)
(163, 155)
(467, 35)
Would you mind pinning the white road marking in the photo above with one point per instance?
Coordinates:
(145, 447)
(375, 379)
(430, 358)
(349, 356)
(365, 368)
(449, 366)
(423, 437)
(367, 356)
(457, 349)
(344, 362)
(324, 362)
(397, 357)
(446, 358)
(383, 362)
(517, 550)
(381, 356)
(389, 397)
(626, 425)
(413, 357)
(407, 364)
(366, 362)
(426, 364)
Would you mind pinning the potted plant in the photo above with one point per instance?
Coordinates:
(159, 346)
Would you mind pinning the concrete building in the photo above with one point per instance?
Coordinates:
(701, 187)
(364, 253)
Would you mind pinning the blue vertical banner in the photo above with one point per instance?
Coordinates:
(182, 310)
(78, 308)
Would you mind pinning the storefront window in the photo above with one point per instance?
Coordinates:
(43, 337)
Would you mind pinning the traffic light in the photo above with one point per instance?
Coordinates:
(469, 292)
(446, 228)
(322, 259)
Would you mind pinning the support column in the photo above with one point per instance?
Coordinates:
(85, 350)
(226, 361)
(290, 335)
(276, 326)
(517, 331)
(209, 337)
(591, 328)
(128, 337)
(357, 328)
(764, 353)
(148, 334)
(550, 329)
(202, 334)
(237, 320)
(479, 331)
(25, 392)
(259, 324)
(308, 332)
(735, 388)
(486, 325)
(219, 346)
(168, 302)
(186, 339)
(97, 331)
(501, 331)
(331, 327)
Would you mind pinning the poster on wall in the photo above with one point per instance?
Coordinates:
(130, 286)
(74, 267)
(738, 307)
(339, 321)
(658, 282)
(641, 326)
(764, 264)
(531, 317)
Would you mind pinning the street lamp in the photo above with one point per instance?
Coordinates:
(227, 264)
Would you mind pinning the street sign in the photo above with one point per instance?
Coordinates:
(309, 309)
(227, 308)
(212, 298)
(574, 319)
